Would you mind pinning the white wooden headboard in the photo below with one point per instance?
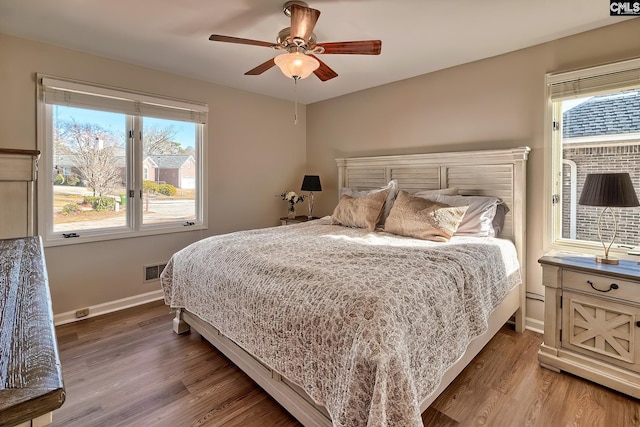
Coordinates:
(500, 173)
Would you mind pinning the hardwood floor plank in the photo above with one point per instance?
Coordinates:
(136, 410)
(80, 416)
(628, 415)
(581, 407)
(129, 369)
(542, 382)
(433, 417)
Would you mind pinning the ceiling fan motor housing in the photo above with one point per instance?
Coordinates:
(287, 7)
(286, 42)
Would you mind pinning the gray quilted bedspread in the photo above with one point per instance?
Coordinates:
(366, 323)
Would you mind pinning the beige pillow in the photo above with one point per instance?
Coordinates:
(392, 186)
(423, 219)
(361, 212)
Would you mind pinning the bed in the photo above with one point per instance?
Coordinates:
(332, 336)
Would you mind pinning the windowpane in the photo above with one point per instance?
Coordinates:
(169, 170)
(599, 134)
(122, 163)
(90, 169)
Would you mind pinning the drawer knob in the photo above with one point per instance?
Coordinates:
(638, 323)
(611, 286)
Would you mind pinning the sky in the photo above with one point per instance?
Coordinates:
(570, 103)
(185, 132)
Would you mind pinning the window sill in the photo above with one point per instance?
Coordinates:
(592, 248)
(53, 241)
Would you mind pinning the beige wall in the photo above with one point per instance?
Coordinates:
(489, 104)
(255, 151)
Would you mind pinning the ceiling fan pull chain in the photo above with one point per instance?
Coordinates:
(295, 105)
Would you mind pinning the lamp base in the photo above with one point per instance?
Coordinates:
(607, 260)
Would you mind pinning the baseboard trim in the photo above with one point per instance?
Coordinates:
(109, 307)
(531, 324)
(534, 325)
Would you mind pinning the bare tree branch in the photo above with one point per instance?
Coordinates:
(94, 152)
(160, 141)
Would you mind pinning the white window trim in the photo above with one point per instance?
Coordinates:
(602, 79)
(45, 191)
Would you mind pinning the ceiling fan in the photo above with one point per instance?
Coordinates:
(302, 47)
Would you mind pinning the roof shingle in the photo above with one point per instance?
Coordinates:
(603, 115)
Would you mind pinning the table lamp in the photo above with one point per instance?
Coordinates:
(611, 190)
(311, 183)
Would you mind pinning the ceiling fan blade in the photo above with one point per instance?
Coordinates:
(229, 39)
(303, 20)
(261, 68)
(323, 72)
(362, 47)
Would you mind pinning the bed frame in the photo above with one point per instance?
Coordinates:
(500, 173)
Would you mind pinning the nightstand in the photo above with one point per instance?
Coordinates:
(300, 218)
(592, 320)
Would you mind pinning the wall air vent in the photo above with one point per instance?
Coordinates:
(152, 272)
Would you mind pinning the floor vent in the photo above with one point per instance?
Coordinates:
(152, 272)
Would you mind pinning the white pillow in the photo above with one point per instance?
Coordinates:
(498, 221)
(478, 220)
(451, 191)
(392, 186)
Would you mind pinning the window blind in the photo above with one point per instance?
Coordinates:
(594, 81)
(82, 95)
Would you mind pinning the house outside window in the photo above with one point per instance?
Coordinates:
(595, 128)
(118, 163)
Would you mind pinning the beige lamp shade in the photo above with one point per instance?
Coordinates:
(296, 65)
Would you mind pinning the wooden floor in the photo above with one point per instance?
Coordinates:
(129, 369)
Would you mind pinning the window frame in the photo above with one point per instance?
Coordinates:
(134, 220)
(598, 80)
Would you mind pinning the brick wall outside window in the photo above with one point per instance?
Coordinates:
(598, 158)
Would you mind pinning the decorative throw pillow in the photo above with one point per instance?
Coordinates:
(478, 221)
(422, 218)
(361, 212)
(392, 188)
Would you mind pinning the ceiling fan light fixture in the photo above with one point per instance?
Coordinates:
(296, 65)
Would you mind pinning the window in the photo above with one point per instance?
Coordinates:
(595, 127)
(120, 163)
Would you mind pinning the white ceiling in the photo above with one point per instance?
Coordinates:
(418, 36)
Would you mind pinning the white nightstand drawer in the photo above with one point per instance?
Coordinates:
(601, 328)
(601, 286)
